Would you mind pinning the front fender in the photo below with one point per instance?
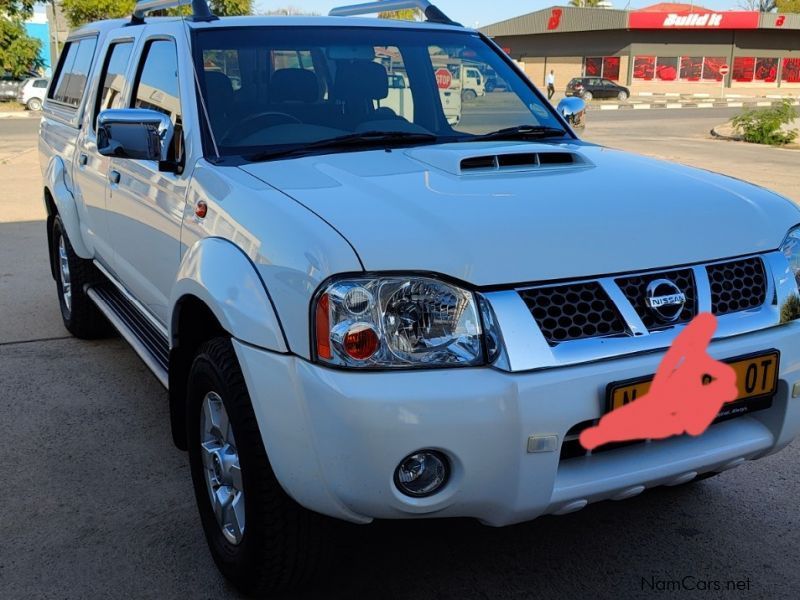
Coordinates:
(217, 272)
(54, 177)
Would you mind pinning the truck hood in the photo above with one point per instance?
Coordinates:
(500, 213)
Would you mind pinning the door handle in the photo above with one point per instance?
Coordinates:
(113, 177)
(84, 158)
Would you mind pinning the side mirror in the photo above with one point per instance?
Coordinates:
(573, 110)
(136, 133)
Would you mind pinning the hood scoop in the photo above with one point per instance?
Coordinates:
(524, 161)
(483, 158)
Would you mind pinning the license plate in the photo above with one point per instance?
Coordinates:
(756, 379)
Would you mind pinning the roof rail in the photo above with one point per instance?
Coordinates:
(431, 12)
(200, 10)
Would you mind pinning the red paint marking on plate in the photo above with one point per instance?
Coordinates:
(678, 401)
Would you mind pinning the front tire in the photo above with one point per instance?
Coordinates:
(469, 95)
(259, 538)
(80, 315)
(587, 96)
(623, 95)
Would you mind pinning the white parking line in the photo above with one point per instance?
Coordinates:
(609, 107)
(735, 104)
(640, 106)
(705, 105)
(674, 105)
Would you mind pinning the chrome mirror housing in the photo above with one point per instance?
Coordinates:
(573, 109)
(135, 133)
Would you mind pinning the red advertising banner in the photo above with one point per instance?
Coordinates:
(695, 20)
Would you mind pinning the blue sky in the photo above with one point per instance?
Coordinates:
(483, 12)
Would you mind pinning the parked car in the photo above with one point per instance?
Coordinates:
(493, 82)
(10, 84)
(32, 93)
(596, 87)
(361, 315)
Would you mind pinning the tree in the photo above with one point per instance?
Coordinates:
(788, 6)
(85, 11)
(287, 11)
(406, 14)
(759, 5)
(19, 52)
(585, 3)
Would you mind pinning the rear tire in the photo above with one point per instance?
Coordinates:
(80, 315)
(274, 544)
(34, 104)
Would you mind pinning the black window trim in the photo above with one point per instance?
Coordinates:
(112, 43)
(61, 59)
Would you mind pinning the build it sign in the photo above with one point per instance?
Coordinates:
(694, 20)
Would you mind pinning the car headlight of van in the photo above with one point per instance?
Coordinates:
(791, 250)
(400, 322)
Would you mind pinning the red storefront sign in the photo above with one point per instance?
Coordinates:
(695, 20)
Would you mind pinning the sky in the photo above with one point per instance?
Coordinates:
(481, 12)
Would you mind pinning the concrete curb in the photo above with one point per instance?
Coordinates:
(22, 114)
(664, 104)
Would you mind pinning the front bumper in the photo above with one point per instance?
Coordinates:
(334, 438)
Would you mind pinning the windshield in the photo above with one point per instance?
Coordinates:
(281, 87)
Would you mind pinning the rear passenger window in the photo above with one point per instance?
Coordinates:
(73, 72)
(113, 78)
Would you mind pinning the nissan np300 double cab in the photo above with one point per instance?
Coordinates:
(363, 310)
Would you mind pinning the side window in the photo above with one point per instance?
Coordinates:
(156, 86)
(112, 78)
(157, 83)
(73, 72)
(40, 83)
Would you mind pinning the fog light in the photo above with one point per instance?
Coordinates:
(422, 473)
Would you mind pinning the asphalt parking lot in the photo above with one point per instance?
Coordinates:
(96, 502)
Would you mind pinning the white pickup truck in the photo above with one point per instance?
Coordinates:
(364, 315)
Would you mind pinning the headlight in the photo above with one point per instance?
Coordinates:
(791, 250)
(396, 322)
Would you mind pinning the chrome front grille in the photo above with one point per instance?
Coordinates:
(737, 285)
(568, 323)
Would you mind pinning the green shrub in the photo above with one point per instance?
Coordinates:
(790, 309)
(765, 126)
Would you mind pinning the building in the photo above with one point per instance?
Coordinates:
(38, 28)
(666, 47)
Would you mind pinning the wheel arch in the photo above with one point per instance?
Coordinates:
(218, 292)
(63, 204)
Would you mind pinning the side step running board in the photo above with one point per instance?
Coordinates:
(149, 343)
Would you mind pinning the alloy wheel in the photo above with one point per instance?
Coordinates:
(221, 469)
(66, 282)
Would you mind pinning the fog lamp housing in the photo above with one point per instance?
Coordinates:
(422, 473)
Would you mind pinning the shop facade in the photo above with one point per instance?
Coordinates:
(668, 47)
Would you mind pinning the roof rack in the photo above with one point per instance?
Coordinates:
(200, 10)
(431, 12)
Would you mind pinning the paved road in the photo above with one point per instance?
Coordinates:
(17, 135)
(96, 503)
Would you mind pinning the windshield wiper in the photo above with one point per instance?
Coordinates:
(363, 139)
(521, 132)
